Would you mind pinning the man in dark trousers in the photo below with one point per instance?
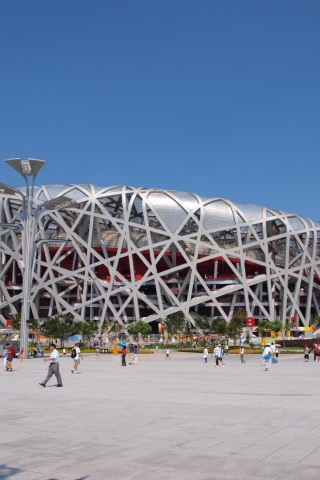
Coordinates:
(53, 367)
(123, 356)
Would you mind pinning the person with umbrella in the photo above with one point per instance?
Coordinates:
(123, 356)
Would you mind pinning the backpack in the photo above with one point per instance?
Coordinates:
(74, 352)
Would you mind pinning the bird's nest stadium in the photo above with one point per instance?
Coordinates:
(132, 253)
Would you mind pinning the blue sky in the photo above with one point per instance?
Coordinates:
(220, 98)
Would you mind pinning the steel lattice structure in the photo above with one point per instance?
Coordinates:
(147, 253)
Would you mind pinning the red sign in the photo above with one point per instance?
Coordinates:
(293, 319)
(9, 323)
(250, 322)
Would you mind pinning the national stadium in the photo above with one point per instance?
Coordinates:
(126, 253)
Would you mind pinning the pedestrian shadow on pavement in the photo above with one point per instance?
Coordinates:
(8, 472)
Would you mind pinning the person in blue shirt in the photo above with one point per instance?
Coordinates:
(5, 357)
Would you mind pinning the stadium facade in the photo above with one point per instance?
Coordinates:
(147, 253)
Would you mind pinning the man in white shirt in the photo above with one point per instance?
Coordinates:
(53, 367)
(267, 356)
(205, 355)
(216, 352)
(76, 358)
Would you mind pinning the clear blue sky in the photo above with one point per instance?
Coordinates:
(216, 97)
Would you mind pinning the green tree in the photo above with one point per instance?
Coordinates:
(217, 325)
(276, 326)
(16, 322)
(86, 329)
(240, 315)
(285, 328)
(237, 323)
(60, 326)
(264, 326)
(203, 322)
(176, 324)
(220, 326)
(139, 327)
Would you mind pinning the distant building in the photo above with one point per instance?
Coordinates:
(147, 253)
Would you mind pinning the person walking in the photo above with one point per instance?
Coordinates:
(64, 352)
(306, 353)
(168, 354)
(21, 353)
(314, 346)
(53, 367)
(131, 354)
(5, 357)
(242, 355)
(205, 355)
(220, 356)
(267, 356)
(216, 353)
(10, 355)
(123, 356)
(76, 355)
(135, 355)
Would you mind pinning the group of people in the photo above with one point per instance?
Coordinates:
(8, 355)
(316, 352)
(268, 354)
(132, 357)
(270, 351)
(218, 355)
(76, 355)
(54, 368)
(37, 351)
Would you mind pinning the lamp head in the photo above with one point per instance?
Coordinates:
(26, 168)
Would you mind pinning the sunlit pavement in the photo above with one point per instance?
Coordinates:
(162, 419)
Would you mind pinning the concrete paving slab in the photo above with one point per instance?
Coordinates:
(181, 419)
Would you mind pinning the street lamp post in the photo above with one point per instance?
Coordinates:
(92, 282)
(29, 220)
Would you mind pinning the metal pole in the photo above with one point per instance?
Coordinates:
(27, 280)
(29, 220)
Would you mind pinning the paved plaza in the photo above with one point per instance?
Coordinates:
(162, 419)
